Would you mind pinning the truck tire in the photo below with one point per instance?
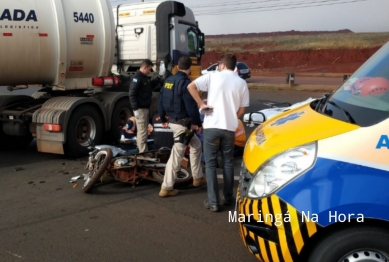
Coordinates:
(184, 177)
(153, 110)
(102, 158)
(120, 113)
(362, 243)
(85, 124)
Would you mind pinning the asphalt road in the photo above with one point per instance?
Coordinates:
(44, 218)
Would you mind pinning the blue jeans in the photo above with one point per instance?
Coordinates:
(215, 140)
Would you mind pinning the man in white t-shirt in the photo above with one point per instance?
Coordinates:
(228, 96)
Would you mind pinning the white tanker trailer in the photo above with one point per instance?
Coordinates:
(59, 46)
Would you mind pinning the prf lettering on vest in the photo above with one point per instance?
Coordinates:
(168, 85)
(383, 142)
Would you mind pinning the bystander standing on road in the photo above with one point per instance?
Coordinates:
(176, 102)
(240, 134)
(140, 94)
(228, 96)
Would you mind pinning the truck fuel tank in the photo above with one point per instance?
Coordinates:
(59, 43)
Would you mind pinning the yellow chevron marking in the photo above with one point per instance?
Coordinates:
(273, 250)
(263, 249)
(247, 207)
(281, 229)
(311, 226)
(265, 212)
(244, 230)
(295, 224)
(256, 210)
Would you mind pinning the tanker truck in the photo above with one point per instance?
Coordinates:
(80, 56)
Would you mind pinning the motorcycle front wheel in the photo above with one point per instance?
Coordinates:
(102, 159)
(184, 176)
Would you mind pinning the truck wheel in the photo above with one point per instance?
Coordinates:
(184, 177)
(353, 244)
(85, 124)
(120, 113)
(102, 160)
(153, 110)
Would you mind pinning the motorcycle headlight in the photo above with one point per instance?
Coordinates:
(281, 169)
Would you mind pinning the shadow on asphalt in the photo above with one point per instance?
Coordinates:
(29, 155)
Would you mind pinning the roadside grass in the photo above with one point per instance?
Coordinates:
(255, 44)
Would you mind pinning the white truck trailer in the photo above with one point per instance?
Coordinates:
(58, 46)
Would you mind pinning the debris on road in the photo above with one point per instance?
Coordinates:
(74, 179)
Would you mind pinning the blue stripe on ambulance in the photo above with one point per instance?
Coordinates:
(364, 192)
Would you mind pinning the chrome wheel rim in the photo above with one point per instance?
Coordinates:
(366, 256)
(85, 130)
(183, 174)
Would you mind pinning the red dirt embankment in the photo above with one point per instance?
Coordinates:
(341, 61)
(310, 61)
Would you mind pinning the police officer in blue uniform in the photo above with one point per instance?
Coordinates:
(140, 94)
(179, 111)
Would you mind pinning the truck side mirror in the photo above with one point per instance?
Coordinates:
(202, 40)
(201, 43)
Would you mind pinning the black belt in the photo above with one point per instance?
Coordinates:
(182, 121)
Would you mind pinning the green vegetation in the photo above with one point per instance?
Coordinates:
(255, 44)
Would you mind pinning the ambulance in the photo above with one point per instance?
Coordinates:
(314, 181)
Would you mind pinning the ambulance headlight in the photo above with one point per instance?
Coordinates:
(281, 169)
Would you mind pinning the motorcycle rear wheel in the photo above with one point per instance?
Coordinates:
(103, 157)
(184, 176)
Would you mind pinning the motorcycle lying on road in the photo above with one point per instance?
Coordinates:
(129, 167)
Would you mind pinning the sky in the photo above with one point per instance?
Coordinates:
(217, 17)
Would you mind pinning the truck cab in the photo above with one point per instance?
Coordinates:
(314, 179)
(160, 31)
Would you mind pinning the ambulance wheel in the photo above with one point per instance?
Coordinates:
(102, 160)
(85, 125)
(120, 113)
(184, 177)
(354, 244)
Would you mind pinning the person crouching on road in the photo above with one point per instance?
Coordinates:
(140, 94)
(176, 102)
(228, 95)
(129, 130)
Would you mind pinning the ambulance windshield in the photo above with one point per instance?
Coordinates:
(364, 98)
